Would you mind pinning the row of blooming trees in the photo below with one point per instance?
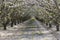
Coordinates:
(50, 12)
(11, 13)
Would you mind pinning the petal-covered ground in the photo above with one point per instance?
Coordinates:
(25, 31)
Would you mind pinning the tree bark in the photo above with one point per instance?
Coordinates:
(46, 24)
(18, 22)
(11, 23)
(15, 22)
(57, 27)
(50, 25)
(5, 27)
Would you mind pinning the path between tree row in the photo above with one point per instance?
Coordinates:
(24, 31)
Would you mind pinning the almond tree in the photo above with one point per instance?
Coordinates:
(4, 15)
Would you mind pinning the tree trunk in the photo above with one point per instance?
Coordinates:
(50, 25)
(18, 22)
(11, 23)
(15, 22)
(46, 24)
(4, 26)
(57, 27)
